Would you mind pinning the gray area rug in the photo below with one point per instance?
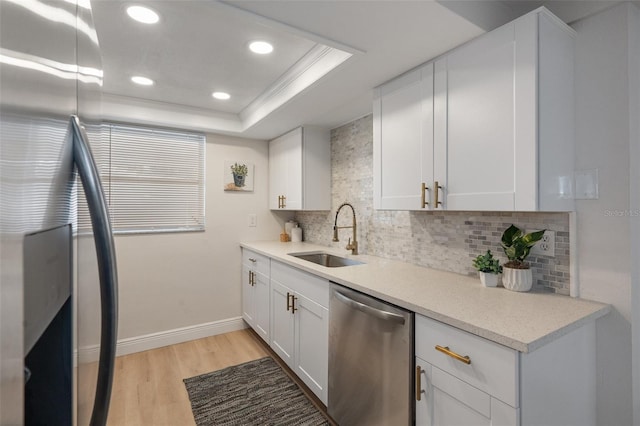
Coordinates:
(254, 393)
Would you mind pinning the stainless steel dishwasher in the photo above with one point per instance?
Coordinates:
(370, 360)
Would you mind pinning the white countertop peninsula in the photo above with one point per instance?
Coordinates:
(521, 321)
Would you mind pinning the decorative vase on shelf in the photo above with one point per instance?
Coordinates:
(489, 279)
(517, 279)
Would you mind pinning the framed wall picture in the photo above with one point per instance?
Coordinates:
(238, 176)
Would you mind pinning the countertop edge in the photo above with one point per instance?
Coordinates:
(521, 346)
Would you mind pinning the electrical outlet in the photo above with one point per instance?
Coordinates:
(546, 246)
(252, 220)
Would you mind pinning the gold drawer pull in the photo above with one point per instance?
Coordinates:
(437, 187)
(289, 296)
(423, 196)
(445, 350)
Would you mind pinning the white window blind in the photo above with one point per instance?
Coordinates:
(153, 179)
(156, 180)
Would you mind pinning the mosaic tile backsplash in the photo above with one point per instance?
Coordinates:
(440, 240)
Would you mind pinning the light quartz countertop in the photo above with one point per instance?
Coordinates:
(521, 321)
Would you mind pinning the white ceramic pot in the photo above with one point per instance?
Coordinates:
(488, 279)
(517, 279)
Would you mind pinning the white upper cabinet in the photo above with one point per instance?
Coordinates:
(300, 170)
(403, 140)
(502, 125)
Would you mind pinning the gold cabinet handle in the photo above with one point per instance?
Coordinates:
(445, 350)
(418, 383)
(284, 201)
(279, 201)
(293, 304)
(252, 278)
(289, 300)
(251, 259)
(423, 195)
(437, 188)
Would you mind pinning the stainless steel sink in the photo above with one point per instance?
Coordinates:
(326, 259)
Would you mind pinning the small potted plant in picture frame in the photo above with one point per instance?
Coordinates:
(517, 245)
(239, 174)
(488, 268)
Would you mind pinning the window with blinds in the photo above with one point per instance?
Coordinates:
(153, 179)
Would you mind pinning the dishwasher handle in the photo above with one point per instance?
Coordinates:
(378, 313)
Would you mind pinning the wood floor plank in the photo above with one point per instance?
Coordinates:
(148, 387)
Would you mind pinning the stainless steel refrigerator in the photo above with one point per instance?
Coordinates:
(58, 279)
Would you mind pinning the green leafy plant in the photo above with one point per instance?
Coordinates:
(487, 263)
(517, 245)
(239, 169)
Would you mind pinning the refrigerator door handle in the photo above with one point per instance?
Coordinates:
(107, 269)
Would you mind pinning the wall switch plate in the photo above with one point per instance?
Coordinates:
(586, 184)
(546, 246)
(252, 220)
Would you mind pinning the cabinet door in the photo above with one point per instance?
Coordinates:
(446, 400)
(449, 401)
(285, 171)
(403, 140)
(261, 306)
(248, 308)
(277, 172)
(311, 342)
(424, 393)
(282, 323)
(481, 138)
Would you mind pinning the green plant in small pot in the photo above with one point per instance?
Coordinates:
(239, 172)
(517, 245)
(489, 268)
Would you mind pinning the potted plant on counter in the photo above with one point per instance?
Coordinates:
(517, 245)
(489, 268)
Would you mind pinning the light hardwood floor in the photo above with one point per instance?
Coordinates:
(148, 387)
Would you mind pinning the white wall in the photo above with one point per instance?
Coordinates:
(603, 142)
(175, 280)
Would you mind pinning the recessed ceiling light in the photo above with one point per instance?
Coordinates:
(261, 47)
(221, 95)
(143, 81)
(143, 14)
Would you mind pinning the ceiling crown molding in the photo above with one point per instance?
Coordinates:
(319, 61)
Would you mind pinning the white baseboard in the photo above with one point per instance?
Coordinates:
(146, 342)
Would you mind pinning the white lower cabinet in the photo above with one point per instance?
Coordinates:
(300, 324)
(446, 400)
(282, 320)
(255, 292)
(463, 379)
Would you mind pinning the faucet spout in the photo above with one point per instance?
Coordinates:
(352, 245)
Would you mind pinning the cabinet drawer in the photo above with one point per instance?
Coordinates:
(310, 286)
(493, 368)
(256, 262)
